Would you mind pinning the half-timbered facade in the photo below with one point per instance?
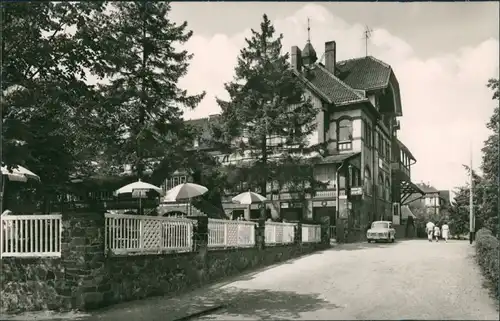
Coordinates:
(358, 102)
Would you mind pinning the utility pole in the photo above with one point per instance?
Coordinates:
(471, 203)
(367, 35)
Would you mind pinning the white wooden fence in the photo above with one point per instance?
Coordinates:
(30, 235)
(279, 233)
(126, 234)
(311, 233)
(226, 233)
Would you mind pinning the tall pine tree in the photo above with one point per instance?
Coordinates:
(138, 52)
(268, 113)
(48, 119)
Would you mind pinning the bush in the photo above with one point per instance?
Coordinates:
(483, 232)
(487, 256)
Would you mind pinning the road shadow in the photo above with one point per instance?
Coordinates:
(261, 304)
(364, 246)
(214, 287)
(231, 302)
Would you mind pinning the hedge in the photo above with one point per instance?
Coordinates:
(487, 247)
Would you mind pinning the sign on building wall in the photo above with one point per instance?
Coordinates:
(383, 165)
(324, 204)
(356, 191)
(291, 205)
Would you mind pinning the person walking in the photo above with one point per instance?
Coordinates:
(429, 228)
(437, 232)
(445, 230)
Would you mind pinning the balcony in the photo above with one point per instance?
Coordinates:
(400, 172)
(325, 194)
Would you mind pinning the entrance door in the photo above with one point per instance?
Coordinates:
(291, 214)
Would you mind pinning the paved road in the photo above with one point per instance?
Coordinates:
(367, 281)
(406, 280)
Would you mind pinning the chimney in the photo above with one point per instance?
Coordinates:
(330, 56)
(296, 58)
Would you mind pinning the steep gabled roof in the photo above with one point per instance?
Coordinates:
(329, 87)
(427, 189)
(366, 73)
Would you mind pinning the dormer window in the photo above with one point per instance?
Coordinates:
(344, 135)
(381, 145)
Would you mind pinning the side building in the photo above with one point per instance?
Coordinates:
(433, 201)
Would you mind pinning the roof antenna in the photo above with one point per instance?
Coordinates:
(308, 31)
(367, 35)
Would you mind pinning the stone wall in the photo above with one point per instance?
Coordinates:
(30, 284)
(86, 278)
(141, 276)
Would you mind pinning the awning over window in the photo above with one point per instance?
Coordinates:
(407, 190)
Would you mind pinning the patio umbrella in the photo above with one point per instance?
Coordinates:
(138, 189)
(184, 191)
(249, 198)
(18, 174)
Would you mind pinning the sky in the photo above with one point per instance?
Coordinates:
(442, 53)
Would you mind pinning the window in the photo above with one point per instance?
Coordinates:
(396, 209)
(380, 225)
(380, 186)
(182, 179)
(370, 135)
(345, 134)
(387, 151)
(321, 173)
(380, 146)
(196, 142)
(367, 181)
(367, 130)
(345, 130)
(388, 189)
(175, 181)
(355, 177)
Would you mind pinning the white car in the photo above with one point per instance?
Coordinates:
(381, 231)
